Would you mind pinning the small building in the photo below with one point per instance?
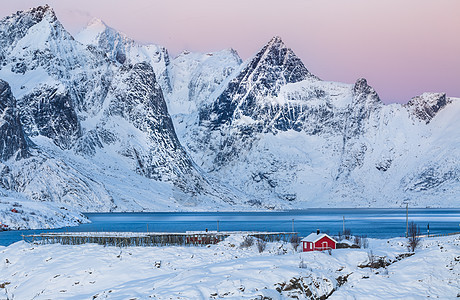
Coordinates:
(318, 241)
(3, 227)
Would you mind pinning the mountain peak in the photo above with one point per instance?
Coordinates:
(92, 32)
(276, 44)
(276, 40)
(40, 12)
(272, 67)
(361, 86)
(96, 25)
(276, 54)
(427, 105)
(98, 33)
(364, 93)
(27, 18)
(96, 22)
(30, 29)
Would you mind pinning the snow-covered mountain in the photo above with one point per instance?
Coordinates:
(279, 132)
(102, 123)
(123, 50)
(81, 128)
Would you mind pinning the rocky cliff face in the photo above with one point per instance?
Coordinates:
(137, 98)
(427, 105)
(12, 140)
(49, 112)
(120, 48)
(36, 175)
(274, 66)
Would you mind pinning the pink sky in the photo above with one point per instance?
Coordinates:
(402, 47)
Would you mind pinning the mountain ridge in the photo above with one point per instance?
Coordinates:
(113, 122)
(76, 103)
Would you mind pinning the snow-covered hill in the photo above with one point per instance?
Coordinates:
(228, 271)
(102, 123)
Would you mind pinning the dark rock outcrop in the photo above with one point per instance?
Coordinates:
(49, 112)
(12, 139)
(427, 105)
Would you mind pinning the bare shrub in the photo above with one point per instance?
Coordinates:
(364, 242)
(357, 240)
(361, 241)
(371, 258)
(247, 242)
(303, 264)
(295, 241)
(281, 250)
(346, 234)
(413, 236)
(261, 245)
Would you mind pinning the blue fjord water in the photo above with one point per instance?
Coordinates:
(374, 223)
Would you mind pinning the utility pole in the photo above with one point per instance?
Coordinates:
(217, 225)
(292, 225)
(407, 219)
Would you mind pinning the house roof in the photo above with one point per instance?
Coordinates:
(314, 237)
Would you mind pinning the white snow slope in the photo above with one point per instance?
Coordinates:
(226, 271)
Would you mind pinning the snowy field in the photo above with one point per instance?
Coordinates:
(227, 271)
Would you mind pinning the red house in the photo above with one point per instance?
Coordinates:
(318, 241)
(3, 227)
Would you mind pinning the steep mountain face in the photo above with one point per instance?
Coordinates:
(87, 114)
(135, 98)
(49, 112)
(275, 131)
(274, 66)
(12, 140)
(36, 175)
(50, 73)
(195, 78)
(120, 48)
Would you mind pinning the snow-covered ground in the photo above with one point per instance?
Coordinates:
(19, 213)
(227, 271)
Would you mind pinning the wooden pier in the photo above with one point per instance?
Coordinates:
(125, 239)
